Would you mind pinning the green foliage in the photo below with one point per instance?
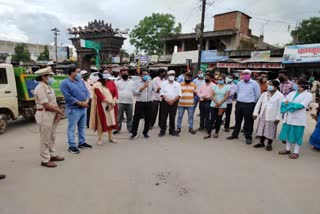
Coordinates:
(21, 54)
(147, 35)
(44, 56)
(308, 31)
(124, 53)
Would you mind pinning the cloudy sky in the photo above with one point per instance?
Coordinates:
(31, 20)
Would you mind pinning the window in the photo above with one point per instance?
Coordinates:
(3, 76)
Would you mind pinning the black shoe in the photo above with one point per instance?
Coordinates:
(232, 137)
(146, 136)
(174, 133)
(74, 150)
(269, 147)
(161, 134)
(192, 131)
(116, 131)
(259, 145)
(178, 130)
(2, 177)
(248, 141)
(85, 146)
(284, 142)
(133, 136)
(200, 129)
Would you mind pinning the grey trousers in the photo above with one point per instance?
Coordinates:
(128, 109)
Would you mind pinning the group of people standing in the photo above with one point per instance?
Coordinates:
(100, 105)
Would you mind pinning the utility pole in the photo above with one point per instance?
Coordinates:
(200, 45)
(56, 33)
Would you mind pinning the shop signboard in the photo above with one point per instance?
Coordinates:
(260, 56)
(212, 56)
(301, 54)
(251, 65)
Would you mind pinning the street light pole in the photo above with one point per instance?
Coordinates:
(56, 33)
(200, 45)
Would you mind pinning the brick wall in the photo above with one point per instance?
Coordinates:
(230, 21)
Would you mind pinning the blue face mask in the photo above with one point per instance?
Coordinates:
(78, 77)
(220, 82)
(295, 87)
(200, 76)
(50, 81)
(270, 87)
(146, 78)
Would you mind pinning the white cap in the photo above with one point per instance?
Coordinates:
(171, 72)
(247, 71)
(83, 72)
(45, 71)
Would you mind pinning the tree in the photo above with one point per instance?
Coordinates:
(123, 53)
(147, 35)
(308, 31)
(44, 56)
(21, 54)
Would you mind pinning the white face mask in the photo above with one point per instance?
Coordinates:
(171, 78)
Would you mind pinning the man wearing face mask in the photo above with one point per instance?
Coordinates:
(125, 101)
(199, 81)
(47, 116)
(85, 77)
(248, 92)
(156, 98)
(142, 90)
(286, 86)
(170, 93)
(186, 102)
(77, 99)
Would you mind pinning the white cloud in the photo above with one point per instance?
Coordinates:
(31, 20)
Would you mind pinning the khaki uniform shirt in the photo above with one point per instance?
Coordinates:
(43, 93)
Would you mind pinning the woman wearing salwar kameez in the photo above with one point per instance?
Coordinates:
(294, 122)
(102, 117)
(268, 109)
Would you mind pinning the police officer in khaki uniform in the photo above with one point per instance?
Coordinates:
(47, 116)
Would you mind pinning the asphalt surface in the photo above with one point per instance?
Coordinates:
(185, 174)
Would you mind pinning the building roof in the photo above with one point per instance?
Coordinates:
(207, 34)
(234, 11)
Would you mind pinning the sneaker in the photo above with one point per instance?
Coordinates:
(146, 136)
(85, 146)
(132, 137)
(74, 150)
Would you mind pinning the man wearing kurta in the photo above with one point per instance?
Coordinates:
(294, 122)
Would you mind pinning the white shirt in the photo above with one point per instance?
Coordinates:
(170, 90)
(125, 91)
(156, 84)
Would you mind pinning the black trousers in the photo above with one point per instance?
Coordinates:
(204, 113)
(88, 114)
(142, 110)
(154, 113)
(244, 111)
(166, 110)
(228, 116)
(215, 120)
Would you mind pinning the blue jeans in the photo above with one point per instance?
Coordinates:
(76, 117)
(195, 102)
(181, 113)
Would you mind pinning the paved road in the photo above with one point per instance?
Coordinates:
(167, 175)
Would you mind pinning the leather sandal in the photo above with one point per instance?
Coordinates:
(57, 158)
(284, 152)
(49, 164)
(294, 156)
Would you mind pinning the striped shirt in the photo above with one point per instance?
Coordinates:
(188, 90)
